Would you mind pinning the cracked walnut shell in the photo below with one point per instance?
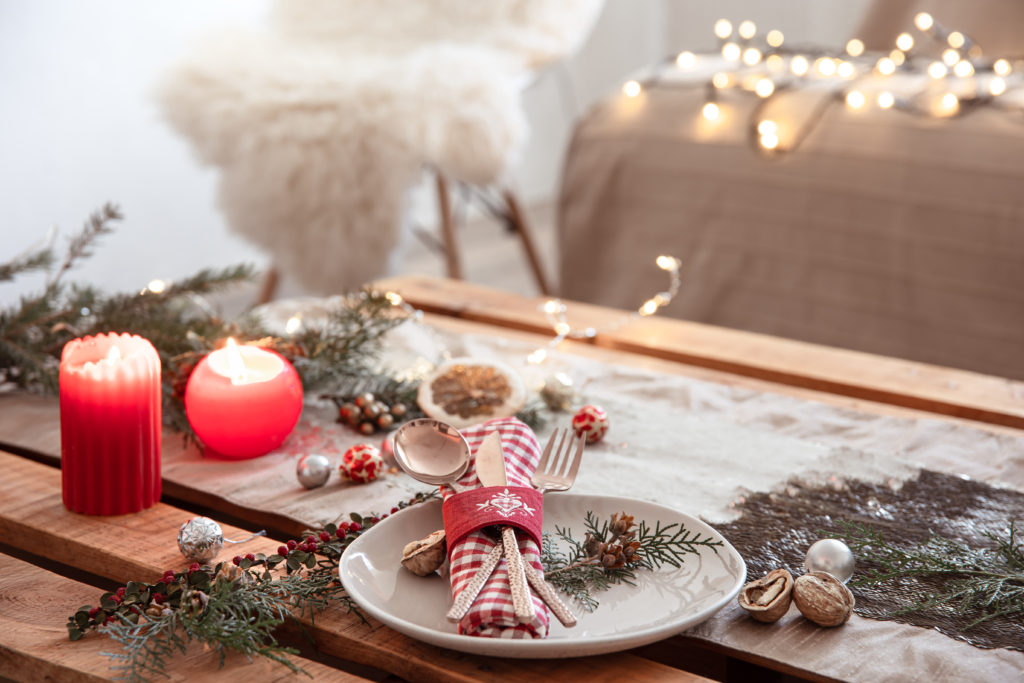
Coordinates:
(823, 599)
(767, 599)
(426, 555)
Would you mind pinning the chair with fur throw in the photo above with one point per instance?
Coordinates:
(320, 124)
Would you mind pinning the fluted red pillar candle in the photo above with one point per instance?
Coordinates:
(110, 423)
(243, 401)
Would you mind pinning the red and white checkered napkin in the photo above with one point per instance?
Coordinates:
(492, 614)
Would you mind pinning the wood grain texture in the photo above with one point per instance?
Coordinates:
(34, 606)
(142, 545)
(909, 384)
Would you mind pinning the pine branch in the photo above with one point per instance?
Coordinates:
(35, 260)
(983, 582)
(79, 246)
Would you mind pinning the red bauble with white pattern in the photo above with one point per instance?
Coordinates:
(361, 463)
(591, 422)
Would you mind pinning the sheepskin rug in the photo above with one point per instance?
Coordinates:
(321, 125)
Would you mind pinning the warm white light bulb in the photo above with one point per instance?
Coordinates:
(950, 56)
(650, 307)
(751, 56)
(845, 69)
(886, 66)
(950, 102)
(923, 21)
(731, 51)
(723, 28)
(720, 80)
(769, 141)
(964, 69)
(767, 127)
(667, 262)
(1002, 67)
(956, 39)
(825, 66)
(747, 29)
(157, 286)
(537, 357)
(855, 47)
(631, 88)
(855, 99)
(685, 60)
(551, 306)
(710, 111)
(905, 42)
(764, 87)
(886, 99)
(937, 70)
(997, 86)
(562, 328)
(799, 65)
(294, 324)
(775, 62)
(775, 38)
(897, 57)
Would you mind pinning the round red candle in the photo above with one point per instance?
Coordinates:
(110, 424)
(243, 401)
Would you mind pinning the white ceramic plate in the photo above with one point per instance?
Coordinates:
(662, 604)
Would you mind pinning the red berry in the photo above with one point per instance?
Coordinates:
(311, 539)
(135, 610)
(108, 619)
(374, 519)
(236, 560)
(93, 612)
(158, 598)
(194, 567)
(394, 510)
(120, 592)
(341, 533)
(324, 536)
(292, 545)
(356, 526)
(345, 526)
(250, 557)
(282, 550)
(116, 598)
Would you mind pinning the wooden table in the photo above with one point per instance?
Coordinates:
(53, 561)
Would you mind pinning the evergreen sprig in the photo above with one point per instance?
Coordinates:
(612, 551)
(177, 320)
(982, 582)
(233, 606)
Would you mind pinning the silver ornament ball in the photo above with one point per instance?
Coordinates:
(200, 539)
(831, 556)
(313, 470)
(557, 392)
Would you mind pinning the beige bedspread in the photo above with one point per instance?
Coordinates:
(882, 232)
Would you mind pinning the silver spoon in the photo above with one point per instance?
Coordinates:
(432, 451)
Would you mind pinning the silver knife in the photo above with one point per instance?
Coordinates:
(490, 469)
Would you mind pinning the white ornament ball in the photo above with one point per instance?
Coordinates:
(313, 470)
(362, 463)
(831, 556)
(590, 422)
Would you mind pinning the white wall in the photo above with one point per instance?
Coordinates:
(77, 127)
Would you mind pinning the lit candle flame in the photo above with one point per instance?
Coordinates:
(113, 355)
(236, 366)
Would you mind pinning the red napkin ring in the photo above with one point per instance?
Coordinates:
(521, 507)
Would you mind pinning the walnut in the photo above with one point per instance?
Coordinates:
(823, 599)
(426, 555)
(767, 599)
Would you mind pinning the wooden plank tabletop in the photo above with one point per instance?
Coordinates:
(34, 523)
(903, 383)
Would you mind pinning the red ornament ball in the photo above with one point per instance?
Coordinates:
(591, 422)
(362, 463)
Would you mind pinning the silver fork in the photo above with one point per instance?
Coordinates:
(559, 464)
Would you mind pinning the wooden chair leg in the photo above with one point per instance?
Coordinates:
(451, 246)
(270, 281)
(518, 219)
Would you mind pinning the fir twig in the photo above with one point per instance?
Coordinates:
(611, 553)
(982, 582)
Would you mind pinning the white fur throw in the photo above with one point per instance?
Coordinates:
(319, 130)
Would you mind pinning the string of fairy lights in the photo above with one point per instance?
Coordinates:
(933, 71)
(556, 313)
